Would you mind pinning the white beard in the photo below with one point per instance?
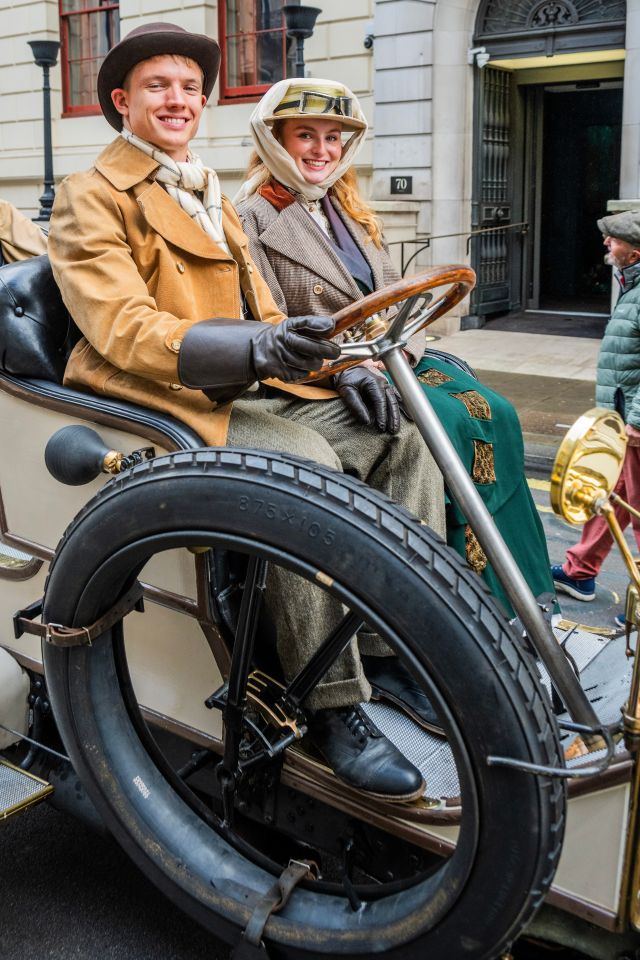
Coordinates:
(618, 263)
(614, 262)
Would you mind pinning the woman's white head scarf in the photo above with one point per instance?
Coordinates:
(280, 164)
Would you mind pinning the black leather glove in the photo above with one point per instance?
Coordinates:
(370, 397)
(290, 349)
(224, 357)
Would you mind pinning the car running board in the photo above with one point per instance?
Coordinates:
(19, 789)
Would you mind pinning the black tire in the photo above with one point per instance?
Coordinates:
(485, 689)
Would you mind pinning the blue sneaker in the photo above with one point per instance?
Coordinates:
(584, 589)
(620, 620)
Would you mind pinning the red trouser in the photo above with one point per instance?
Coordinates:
(585, 559)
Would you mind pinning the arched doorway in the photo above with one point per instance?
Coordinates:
(547, 134)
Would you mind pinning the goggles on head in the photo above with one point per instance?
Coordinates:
(311, 102)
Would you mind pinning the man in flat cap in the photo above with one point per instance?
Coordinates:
(617, 387)
(148, 254)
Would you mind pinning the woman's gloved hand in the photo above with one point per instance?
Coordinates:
(369, 396)
(292, 348)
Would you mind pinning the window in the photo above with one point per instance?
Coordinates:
(255, 50)
(88, 30)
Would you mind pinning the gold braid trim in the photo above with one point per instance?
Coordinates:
(473, 551)
(483, 470)
(475, 403)
(433, 378)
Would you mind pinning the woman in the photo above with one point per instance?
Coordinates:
(320, 247)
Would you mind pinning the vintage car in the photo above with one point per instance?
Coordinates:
(136, 641)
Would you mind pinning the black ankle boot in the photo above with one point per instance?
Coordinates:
(362, 757)
(391, 681)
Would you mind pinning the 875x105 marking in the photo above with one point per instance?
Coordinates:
(300, 521)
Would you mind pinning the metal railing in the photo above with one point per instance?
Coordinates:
(426, 242)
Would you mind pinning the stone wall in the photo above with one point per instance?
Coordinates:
(630, 166)
(336, 51)
(21, 164)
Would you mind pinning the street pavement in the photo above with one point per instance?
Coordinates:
(612, 581)
(67, 892)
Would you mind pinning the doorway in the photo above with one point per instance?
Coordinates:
(558, 153)
(574, 163)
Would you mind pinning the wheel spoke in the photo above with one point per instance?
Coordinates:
(401, 318)
(197, 762)
(347, 876)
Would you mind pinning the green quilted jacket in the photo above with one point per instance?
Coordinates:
(618, 376)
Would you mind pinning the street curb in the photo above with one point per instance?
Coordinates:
(539, 457)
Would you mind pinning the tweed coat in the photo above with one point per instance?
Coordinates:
(304, 274)
(136, 273)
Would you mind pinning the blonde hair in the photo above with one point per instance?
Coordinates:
(345, 190)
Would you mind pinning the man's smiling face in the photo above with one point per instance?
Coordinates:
(162, 102)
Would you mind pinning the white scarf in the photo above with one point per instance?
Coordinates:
(274, 156)
(181, 180)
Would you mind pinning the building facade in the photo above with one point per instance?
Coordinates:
(500, 129)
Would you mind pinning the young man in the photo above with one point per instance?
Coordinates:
(618, 387)
(147, 255)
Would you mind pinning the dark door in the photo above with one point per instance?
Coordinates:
(580, 172)
(492, 209)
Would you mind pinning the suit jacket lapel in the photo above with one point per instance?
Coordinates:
(128, 168)
(294, 237)
(167, 218)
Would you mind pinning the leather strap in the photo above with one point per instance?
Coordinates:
(251, 946)
(61, 636)
(249, 951)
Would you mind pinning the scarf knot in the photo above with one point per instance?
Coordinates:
(188, 176)
(182, 180)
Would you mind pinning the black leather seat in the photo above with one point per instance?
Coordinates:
(37, 333)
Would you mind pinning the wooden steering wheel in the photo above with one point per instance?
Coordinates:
(368, 334)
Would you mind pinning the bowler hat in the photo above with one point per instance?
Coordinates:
(622, 226)
(153, 40)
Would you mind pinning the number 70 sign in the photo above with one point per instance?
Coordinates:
(401, 184)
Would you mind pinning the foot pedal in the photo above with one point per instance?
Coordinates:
(19, 789)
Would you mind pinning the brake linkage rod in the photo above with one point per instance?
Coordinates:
(241, 658)
(307, 679)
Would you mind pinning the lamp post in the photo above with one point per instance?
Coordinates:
(300, 21)
(45, 54)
